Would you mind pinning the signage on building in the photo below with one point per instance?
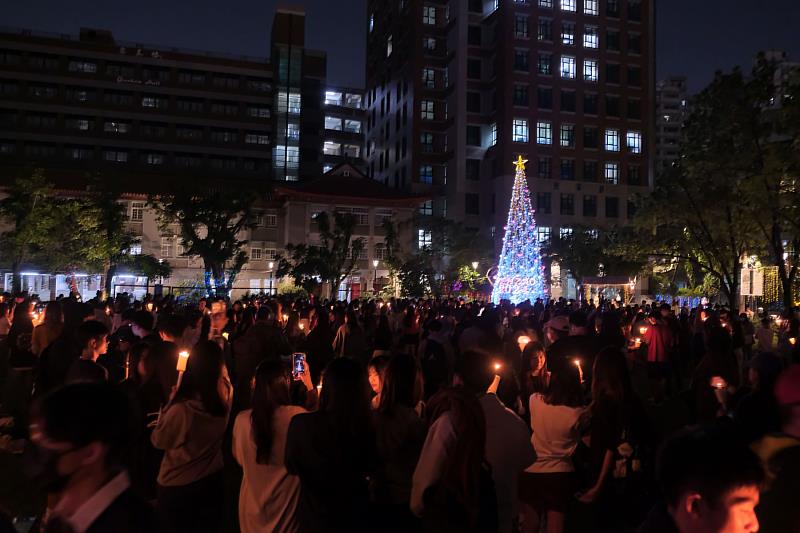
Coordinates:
(752, 282)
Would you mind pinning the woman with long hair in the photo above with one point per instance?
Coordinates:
(351, 341)
(333, 452)
(617, 423)
(557, 419)
(400, 435)
(190, 430)
(375, 374)
(269, 495)
(49, 330)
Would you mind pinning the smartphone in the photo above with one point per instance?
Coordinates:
(298, 366)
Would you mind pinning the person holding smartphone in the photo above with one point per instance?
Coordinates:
(269, 495)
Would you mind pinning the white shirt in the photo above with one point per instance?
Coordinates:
(85, 515)
(556, 432)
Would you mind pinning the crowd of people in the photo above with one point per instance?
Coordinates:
(401, 415)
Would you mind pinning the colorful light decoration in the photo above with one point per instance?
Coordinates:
(520, 273)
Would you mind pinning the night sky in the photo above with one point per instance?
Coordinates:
(695, 37)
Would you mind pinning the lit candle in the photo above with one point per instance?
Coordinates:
(637, 342)
(643, 330)
(108, 310)
(580, 368)
(523, 341)
(183, 358)
(792, 341)
(150, 306)
(225, 335)
(301, 326)
(497, 367)
(285, 318)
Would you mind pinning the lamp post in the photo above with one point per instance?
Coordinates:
(271, 265)
(375, 275)
(474, 265)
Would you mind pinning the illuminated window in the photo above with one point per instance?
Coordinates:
(568, 5)
(424, 238)
(426, 107)
(137, 211)
(429, 15)
(426, 174)
(520, 131)
(590, 7)
(568, 67)
(371, 21)
(493, 134)
(289, 103)
(611, 173)
(567, 135)
(426, 208)
(568, 33)
(333, 98)
(352, 126)
(590, 70)
(428, 78)
(333, 123)
(543, 234)
(634, 142)
(332, 148)
(544, 132)
(590, 37)
(612, 140)
(565, 232)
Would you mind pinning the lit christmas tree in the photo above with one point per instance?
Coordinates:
(520, 274)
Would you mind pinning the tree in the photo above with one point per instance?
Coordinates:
(520, 274)
(145, 265)
(210, 226)
(29, 209)
(105, 198)
(586, 252)
(331, 261)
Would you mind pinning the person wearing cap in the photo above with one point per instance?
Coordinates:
(578, 345)
(756, 411)
(780, 454)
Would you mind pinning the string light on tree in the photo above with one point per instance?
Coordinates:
(520, 273)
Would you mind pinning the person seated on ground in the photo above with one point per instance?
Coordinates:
(78, 437)
(710, 482)
(92, 339)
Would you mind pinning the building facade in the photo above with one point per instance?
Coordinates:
(672, 97)
(457, 89)
(155, 115)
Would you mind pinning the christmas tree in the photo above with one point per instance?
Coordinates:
(520, 274)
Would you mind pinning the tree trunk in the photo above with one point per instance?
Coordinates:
(218, 271)
(787, 286)
(16, 277)
(110, 272)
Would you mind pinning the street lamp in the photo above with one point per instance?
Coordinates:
(474, 265)
(271, 265)
(375, 275)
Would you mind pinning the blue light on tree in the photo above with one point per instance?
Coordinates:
(520, 273)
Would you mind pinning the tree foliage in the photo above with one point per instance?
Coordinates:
(733, 192)
(331, 261)
(210, 226)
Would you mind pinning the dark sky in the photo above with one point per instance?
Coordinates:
(695, 37)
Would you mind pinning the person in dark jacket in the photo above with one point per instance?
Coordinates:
(333, 452)
(78, 437)
(264, 340)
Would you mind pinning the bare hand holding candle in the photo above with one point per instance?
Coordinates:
(496, 381)
(577, 363)
(523, 341)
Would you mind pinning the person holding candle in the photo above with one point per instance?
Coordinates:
(557, 419)
(269, 495)
(49, 330)
(190, 430)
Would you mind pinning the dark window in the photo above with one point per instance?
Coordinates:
(545, 30)
(474, 68)
(634, 77)
(590, 105)
(473, 169)
(567, 169)
(521, 60)
(567, 204)
(521, 95)
(471, 203)
(590, 170)
(589, 205)
(612, 207)
(634, 43)
(473, 102)
(612, 40)
(612, 73)
(521, 26)
(635, 109)
(635, 175)
(635, 10)
(612, 106)
(474, 135)
(545, 67)
(544, 169)
(568, 101)
(612, 8)
(590, 137)
(543, 202)
(631, 209)
(474, 35)
(544, 98)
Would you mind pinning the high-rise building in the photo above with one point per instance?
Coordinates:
(155, 115)
(671, 111)
(457, 89)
